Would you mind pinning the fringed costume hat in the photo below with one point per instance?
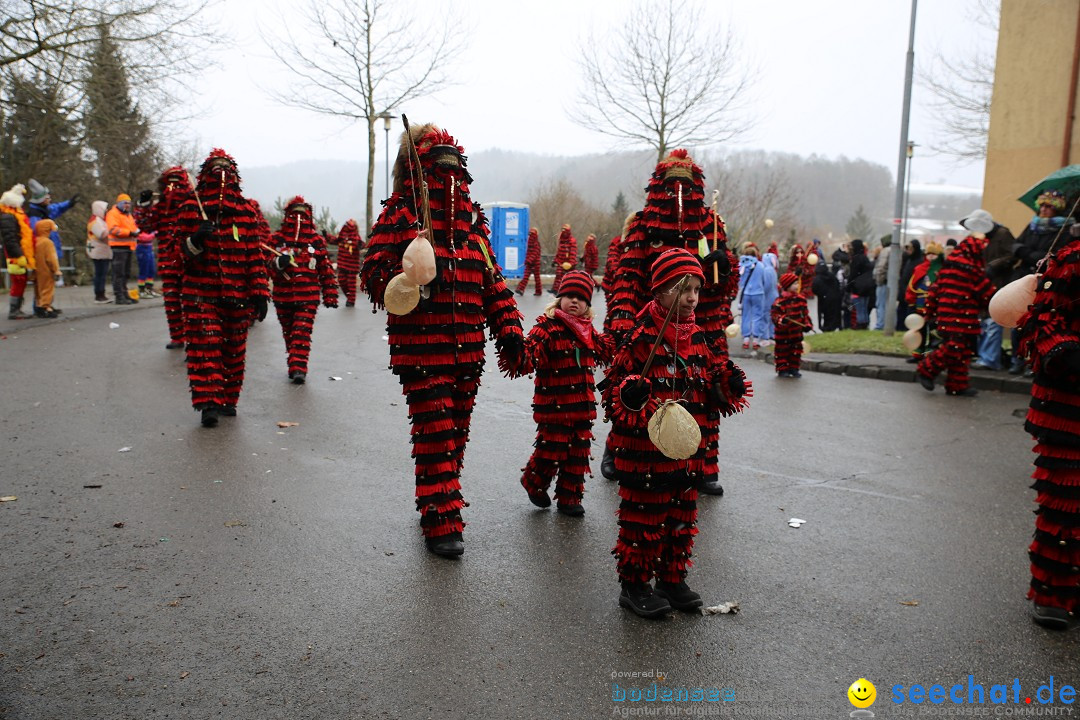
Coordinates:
(675, 199)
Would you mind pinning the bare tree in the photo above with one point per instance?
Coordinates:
(751, 191)
(554, 203)
(359, 58)
(162, 41)
(962, 89)
(666, 78)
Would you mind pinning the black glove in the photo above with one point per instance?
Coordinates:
(720, 259)
(260, 305)
(737, 382)
(510, 346)
(74, 199)
(634, 396)
(282, 261)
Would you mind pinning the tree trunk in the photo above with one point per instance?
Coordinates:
(369, 219)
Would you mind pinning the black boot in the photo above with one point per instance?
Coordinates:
(571, 509)
(447, 546)
(174, 345)
(640, 599)
(15, 309)
(210, 417)
(607, 464)
(298, 377)
(1054, 618)
(711, 485)
(679, 595)
(227, 411)
(539, 498)
(926, 382)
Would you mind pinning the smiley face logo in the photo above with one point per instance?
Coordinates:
(862, 693)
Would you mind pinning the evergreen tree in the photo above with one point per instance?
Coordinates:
(117, 133)
(40, 138)
(860, 225)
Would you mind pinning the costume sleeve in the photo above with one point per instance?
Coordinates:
(1051, 326)
(776, 312)
(932, 301)
(394, 230)
(605, 348)
(624, 372)
(984, 290)
(724, 374)
(503, 317)
(631, 283)
(326, 274)
(536, 343)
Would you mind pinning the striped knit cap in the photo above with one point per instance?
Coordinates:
(577, 282)
(788, 279)
(672, 265)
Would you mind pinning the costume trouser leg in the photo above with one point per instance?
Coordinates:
(1055, 549)
(952, 357)
(174, 316)
(788, 352)
(347, 282)
(297, 321)
(438, 448)
(656, 533)
(559, 272)
(205, 353)
(562, 451)
(236, 321)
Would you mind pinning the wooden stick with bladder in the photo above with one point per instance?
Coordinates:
(660, 335)
(715, 236)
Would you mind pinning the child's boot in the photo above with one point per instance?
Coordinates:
(640, 599)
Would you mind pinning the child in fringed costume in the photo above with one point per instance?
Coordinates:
(437, 349)
(676, 216)
(301, 273)
(532, 264)
(791, 318)
(960, 292)
(223, 284)
(658, 510)
(590, 258)
(565, 256)
(1050, 341)
(349, 245)
(563, 350)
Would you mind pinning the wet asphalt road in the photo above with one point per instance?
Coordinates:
(262, 572)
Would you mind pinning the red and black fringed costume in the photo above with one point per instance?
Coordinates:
(804, 271)
(532, 264)
(437, 349)
(658, 509)
(611, 264)
(960, 292)
(590, 258)
(1050, 340)
(564, 351)
(174, 188)
(349, 245)
(565, 255)
(301, 273)
(223, 284)
(676, 216)
(791, 317)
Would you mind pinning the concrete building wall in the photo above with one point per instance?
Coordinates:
(1028, 109)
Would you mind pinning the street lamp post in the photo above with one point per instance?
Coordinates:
(386, 117)
(907, 189)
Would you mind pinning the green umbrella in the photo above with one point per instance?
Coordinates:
(1066, 180)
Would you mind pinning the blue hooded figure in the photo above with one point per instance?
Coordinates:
(752, 289)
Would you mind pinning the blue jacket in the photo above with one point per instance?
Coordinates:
(751, 276)
(52, 211)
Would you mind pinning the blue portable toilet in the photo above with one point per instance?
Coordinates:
(509, 235)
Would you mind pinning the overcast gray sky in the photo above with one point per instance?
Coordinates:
(830, 81)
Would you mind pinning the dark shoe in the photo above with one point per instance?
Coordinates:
(350, 303)
(926, 382)
(445, 546)
(227, 411)
(711, 486)
(912, 360)
(298, 377)
(522, 292)
(210, 417)
(980, 365)
(40, 312)
(1053, 618)
(1029, 373)
(795, 374)
(101, 300)
(540, 499)
(575, 510)
(966, 392)
(174, 345)
(678, 595)
(1016, 368)
(640, 599)
(607, 464)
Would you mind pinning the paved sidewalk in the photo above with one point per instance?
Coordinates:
(74, 302)
(890, 367)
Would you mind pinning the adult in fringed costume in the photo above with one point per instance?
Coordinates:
(954, 302)
(611, 262)
(563, 350)
(675, 215)
(532, 264)
(437, 349)
(301, 273)
(174, 188)
(223, 284)
(658, 509)
(590, 258)
(1050, 341)
(791, 318)
(349, 245)
(565, 256)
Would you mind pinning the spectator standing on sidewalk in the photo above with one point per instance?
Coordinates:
(861, 283)
(97, 248)
(42, 207)
(144, 247)
(18, 241)
(881, 281)
(122, 238)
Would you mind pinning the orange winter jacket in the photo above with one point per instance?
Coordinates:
(123, 231)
